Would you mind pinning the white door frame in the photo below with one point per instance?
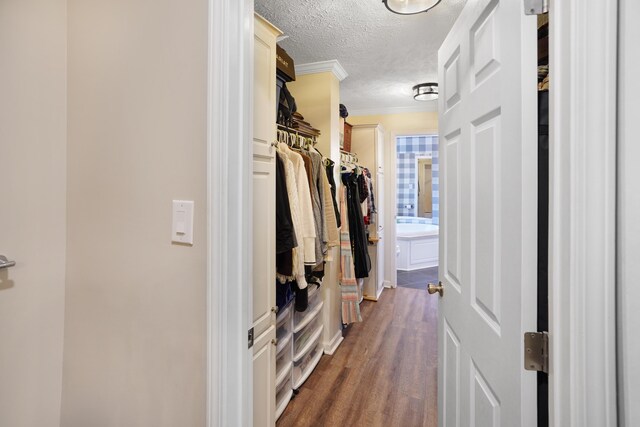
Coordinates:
(229, 212)
(628, 229)
(582, 285)
(582, 256)
(391, 200)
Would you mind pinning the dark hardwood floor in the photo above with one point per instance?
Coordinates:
(383, 374)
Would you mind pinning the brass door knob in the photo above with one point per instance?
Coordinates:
(432, 288)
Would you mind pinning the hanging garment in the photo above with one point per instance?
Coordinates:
(284, 294)
(308, 168)
(357, 229)
(363, 189)
(304, 199)
(371, 200)
(296, 216)
(317, 191)
(329, 170)
(330, 217)
(348, 285)
(285, 233)
(366, 206)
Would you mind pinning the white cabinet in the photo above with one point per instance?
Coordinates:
(367, 141)
(264, 243)
(264, 377)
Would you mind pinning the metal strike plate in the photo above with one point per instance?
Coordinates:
(250, 337)
(536, 7)
(536, 351)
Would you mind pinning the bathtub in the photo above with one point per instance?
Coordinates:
(417, 246)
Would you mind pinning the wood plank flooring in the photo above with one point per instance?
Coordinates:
(383, 374)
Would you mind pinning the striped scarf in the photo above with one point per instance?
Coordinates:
(349, 288)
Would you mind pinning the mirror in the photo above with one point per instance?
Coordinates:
(425, 188)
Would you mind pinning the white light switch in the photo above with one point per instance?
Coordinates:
(182, 224)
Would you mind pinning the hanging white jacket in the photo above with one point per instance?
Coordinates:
(306, 209)
(296, 218)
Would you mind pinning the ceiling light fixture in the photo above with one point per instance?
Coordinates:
(409, 7)
(425, 92)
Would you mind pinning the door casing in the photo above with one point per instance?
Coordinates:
(582, 257)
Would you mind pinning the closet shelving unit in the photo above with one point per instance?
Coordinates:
(307, 330)
(298, 349)
(284, 363)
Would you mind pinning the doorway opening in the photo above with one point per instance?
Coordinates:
(381, 333)
(417, 210)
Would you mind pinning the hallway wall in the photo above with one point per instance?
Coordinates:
(135, 325)
(32, 211)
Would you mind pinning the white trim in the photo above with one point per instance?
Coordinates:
(229, 100)
(388, 284)
(628, 228)
(582, 213)
(391, 197)
(420, 107)
(332, 66)
(334, 343)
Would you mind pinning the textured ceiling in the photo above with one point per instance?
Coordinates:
(385, 54)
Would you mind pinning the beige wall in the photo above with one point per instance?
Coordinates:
(399, 124)
(135, 324)
(395, 125)
(318, 100)
(32, 209)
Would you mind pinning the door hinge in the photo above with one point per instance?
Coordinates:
(536, 7)
(536, 351)
(250, 337)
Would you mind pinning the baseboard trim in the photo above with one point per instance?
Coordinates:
(334, 343)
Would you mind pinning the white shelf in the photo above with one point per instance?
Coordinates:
(282, 405)
(309, 317)
(310, 369)
(310, 344)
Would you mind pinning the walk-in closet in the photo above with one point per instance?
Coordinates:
(355, 178)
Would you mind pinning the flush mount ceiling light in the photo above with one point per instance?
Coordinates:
(409, 7)
(425, 92)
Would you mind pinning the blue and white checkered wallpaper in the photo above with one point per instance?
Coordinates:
(408, 148)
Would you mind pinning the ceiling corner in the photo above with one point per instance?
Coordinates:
(332, 66)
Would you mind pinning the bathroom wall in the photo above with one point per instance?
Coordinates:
(408, 149)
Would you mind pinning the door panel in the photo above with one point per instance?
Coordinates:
(449, 364)
(488, 71)
(263, 245)
(264, 379)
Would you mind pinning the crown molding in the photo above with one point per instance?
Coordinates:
(323, 67)
(424, 107)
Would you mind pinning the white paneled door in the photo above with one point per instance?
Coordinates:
(488, 151)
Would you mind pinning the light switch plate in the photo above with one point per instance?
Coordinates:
(182, 223)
